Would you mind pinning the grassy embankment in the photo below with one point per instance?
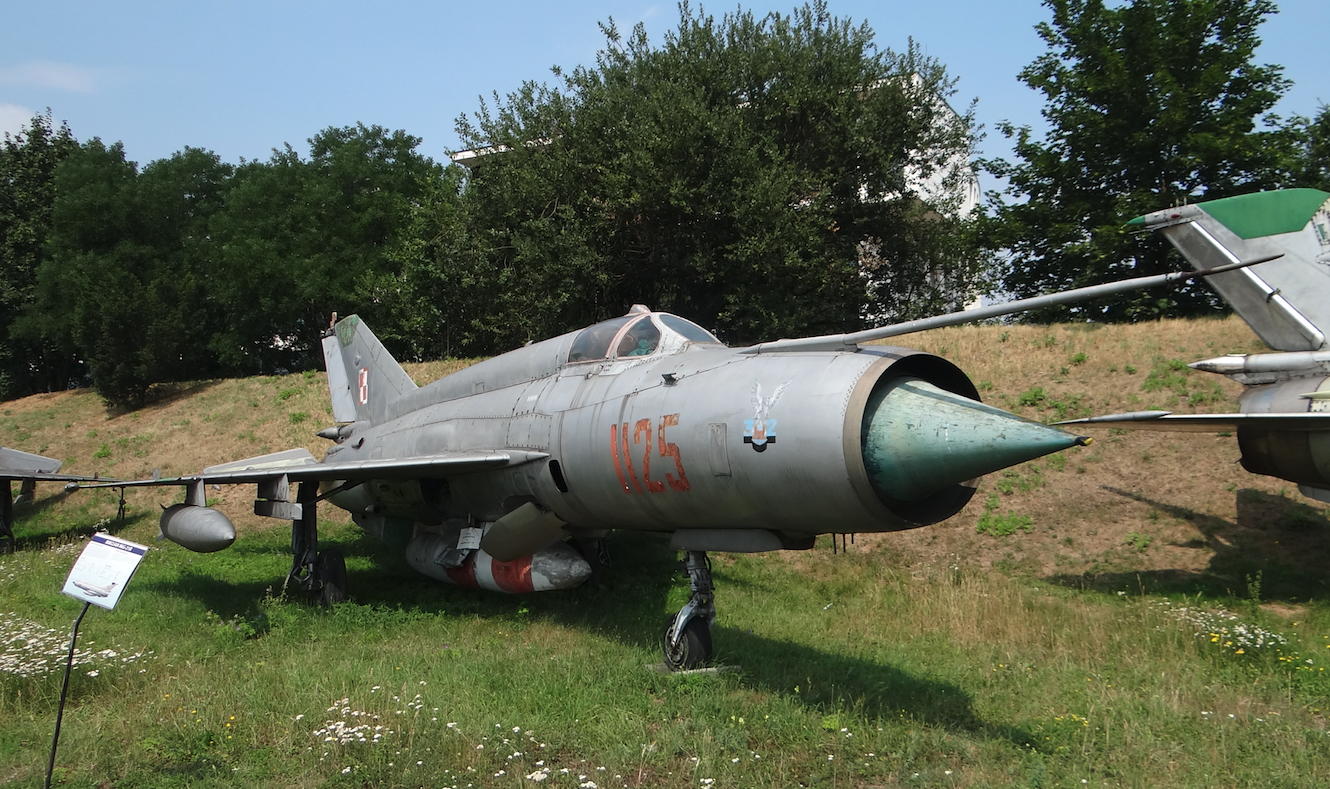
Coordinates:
(1071, 642)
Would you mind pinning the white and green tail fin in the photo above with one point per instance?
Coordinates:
(1285, 301)
(363, 378)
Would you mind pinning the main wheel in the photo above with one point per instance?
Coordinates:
(332, 574)
(693, 649)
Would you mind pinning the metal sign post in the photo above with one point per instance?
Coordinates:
(99, 578)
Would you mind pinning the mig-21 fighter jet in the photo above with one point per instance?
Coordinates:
(642, 422)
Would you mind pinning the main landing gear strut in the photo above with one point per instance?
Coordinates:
(6, 517)
(319, 572)
(687, 639)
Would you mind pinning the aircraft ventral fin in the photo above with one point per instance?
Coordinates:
(299, 465)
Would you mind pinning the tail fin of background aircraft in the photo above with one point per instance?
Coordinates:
(363, 378)
(1285, 301)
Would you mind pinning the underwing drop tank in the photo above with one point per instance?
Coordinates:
(200, 529)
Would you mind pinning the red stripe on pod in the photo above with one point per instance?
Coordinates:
(465, 574)
(513, 577)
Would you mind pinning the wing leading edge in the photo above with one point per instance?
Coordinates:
(27, 469)
(298, 465)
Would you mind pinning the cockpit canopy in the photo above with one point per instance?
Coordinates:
(639, 333)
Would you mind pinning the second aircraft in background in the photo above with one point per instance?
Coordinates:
(1284, 427)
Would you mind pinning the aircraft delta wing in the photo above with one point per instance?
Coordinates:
(1284, 428)
(27, 469)
(642, 422)
(201, 529)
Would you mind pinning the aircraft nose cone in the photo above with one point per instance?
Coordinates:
(918, 439)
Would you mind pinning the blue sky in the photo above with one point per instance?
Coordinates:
(240, 78)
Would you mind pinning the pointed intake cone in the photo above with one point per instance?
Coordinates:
(918, 439)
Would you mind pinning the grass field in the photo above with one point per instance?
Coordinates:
(1140, 612)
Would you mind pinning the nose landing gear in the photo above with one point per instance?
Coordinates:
(687, 639)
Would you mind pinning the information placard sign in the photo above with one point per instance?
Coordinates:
(103, 570)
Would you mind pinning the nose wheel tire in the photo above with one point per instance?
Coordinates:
(693, 649)
(332, 574)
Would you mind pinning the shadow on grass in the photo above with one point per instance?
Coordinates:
(161, 395)
(1280, 543)
(41, 505)
(34, 538)
(877, 691)
(629, 606)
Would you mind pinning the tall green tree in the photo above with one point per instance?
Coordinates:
(1310, 166)
(301, 238)
(27, 194)
(126, 285)
(1150, 103)
(764, 176)
(433, 263)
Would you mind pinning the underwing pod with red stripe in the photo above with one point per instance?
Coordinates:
(558, 566)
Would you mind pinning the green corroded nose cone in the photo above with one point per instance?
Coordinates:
(918, 439)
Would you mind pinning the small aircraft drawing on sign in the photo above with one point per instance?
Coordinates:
(96, 590)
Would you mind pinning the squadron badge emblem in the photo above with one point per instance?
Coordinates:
(761, 429)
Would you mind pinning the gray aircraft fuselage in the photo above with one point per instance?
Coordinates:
(666, 442)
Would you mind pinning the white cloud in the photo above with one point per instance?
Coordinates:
(48, 74)
(13, 118)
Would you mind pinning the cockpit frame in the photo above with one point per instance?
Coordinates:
(639, 334)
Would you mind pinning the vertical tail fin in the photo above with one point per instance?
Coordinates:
(363, 378)
(1285, 301)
